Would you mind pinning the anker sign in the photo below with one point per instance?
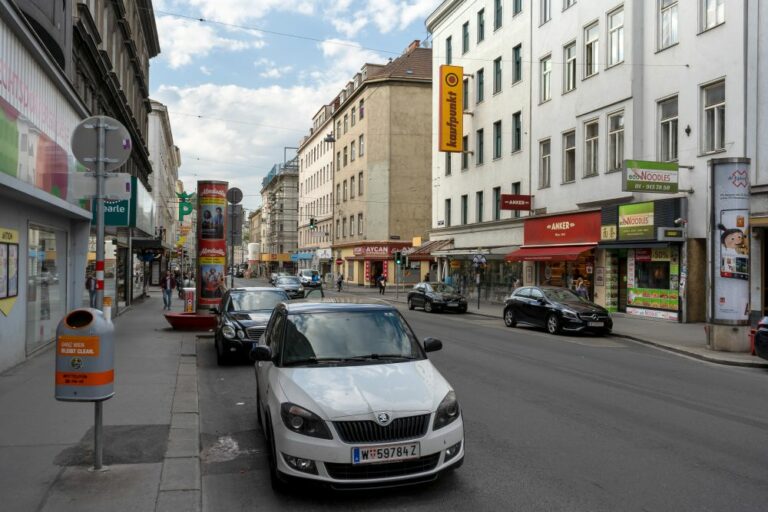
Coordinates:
(515, 202)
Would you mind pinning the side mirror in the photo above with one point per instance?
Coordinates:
(260, 353)
(432, 345)
(541, 300)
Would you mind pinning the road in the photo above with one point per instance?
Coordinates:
(552, 423)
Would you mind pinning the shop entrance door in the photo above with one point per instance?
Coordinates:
(377, 267)
(622, 283)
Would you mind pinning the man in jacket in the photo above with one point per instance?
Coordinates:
(168, 284)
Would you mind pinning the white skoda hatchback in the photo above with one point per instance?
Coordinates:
(348, 398)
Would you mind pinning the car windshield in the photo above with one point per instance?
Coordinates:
(288, 280)
(348, 337)
(562, 295)
(442, 288)
(252, 301)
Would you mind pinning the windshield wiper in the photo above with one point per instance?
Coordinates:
(313, 360)
(383, 356)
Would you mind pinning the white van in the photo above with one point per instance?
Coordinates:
(309, 277)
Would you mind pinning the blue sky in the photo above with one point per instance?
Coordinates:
(255, 90)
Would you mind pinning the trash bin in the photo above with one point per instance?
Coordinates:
(189, 300)
(761, 338)
(85, 356)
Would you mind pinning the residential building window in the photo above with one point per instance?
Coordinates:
(497, 203)
(447, 213)
(338, 193)
(338, 160)
(544, 155)
(480, 147)
(667, 23)
(714, 117)
(546, 79)
(480, 25)
(465, 99)
(615, 141)
(352, 187)
(517, 7)
(591, 134)
(351, 225)
(517, 63)
(569, 157)
(546, 11)
(346, 122)
(568, 3)
(465, 38)
(352, 116)
(464, 207)
(448, 50)
(480, 85)
(361, 109)
(338, 129)
(616, 37)
(497, 139)
(517, 131)
(479, 205)
(569, 71)
(465, 153)
(713, 13)
(359, 223)
(496, 14)
(516, 188)
(352, 151)
(591, 49)
(345, 190)
(338, 229)
(497, 75)
(360, 183)
(448, 164)
(668, 130)
(345, 156)
(344, 227)
(361, 145)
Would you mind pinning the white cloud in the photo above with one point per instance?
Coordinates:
(385, 15)
(350, 28)
(183, 40)
(238, 11)
(344, 59)
(204, 70)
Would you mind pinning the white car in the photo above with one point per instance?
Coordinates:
(309, 277)
(348, 398)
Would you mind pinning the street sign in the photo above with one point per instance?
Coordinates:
(516, 202)
(234, 195)
(645, 176)
(479, 259)
(339, 261)
(117, 143)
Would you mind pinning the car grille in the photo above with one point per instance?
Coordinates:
(254, 333)
(594, 317)
(382, 470)
(371, 432)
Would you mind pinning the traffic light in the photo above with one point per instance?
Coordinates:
(312, 223)
(398, 257)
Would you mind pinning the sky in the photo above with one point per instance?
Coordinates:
(244, 84)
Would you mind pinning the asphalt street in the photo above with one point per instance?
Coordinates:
(553, 423)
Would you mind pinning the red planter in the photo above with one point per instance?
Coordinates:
(191, 321)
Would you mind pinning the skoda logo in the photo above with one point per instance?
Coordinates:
(383, 419)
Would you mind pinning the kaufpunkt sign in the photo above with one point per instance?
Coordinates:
(646, 176)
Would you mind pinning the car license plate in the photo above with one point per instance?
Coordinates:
(453, 305)
(389, 453)
(596, 324)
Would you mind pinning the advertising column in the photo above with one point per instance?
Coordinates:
(211, 242)
(729, 254)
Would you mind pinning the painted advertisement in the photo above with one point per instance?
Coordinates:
(211, 243)
(636, 221)
(451, 109)
(730, 239)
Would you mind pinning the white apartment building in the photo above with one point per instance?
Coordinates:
(662, 81)
(316, 194)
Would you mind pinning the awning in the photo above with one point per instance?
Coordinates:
(424, 251)
(550, 253)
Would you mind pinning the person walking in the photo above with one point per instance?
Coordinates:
(90, 285)
(339, 281)
(168, 284)
(382, 284)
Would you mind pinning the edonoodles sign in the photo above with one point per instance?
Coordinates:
(636, 221)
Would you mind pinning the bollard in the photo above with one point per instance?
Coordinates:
(189, 300)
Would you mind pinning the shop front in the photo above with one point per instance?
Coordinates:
(363, 263)
(325, 265)
(559, 250)
(277, 262)
(640, 267)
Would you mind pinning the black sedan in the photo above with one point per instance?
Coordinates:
(436, 297)
(555, 309)
(242, 319)
(291, 285)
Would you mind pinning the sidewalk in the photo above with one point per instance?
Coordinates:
(688, 339)
(151, 427)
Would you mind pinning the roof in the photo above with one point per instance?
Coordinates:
(336, 305)
(415, 64)
(425, 250)
(255, 289)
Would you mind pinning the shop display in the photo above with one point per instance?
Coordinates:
(611, 282)
(654, 278)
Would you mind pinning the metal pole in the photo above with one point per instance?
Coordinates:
(231, 247)
(102, 128)
(97, 436)
(397, 287)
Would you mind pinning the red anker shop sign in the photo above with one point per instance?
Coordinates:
(515, 202)
(575, 228)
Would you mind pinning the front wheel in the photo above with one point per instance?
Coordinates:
(553, 324)
(509, 318)
(221, 357)
(410, 304)
(275, 478)
(428, 306)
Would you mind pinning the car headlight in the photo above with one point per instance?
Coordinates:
(228, 331)
(302, 421)
(240, 334)
(301, 288)
(447, 412)
(570, 314)
(437, 299)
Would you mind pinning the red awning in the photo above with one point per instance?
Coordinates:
(552, 253)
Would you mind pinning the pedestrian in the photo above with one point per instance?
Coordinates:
(168, 284)
(382, 284)
(426, 277)
(339, 281)
(90, 285)
(581, 289)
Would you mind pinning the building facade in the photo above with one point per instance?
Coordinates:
(280, 200)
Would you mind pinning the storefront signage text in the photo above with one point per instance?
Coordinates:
(376, 250)
(515, 202)
(645, 176)
(563, 229)
(451, 103)
(608, 232)
(636, 221)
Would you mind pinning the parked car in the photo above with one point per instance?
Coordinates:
(241, 320)
(436, 297)
(347, 397)
(556, 309)
(291, 285)
(761, 338)
(309, 277)
(274, 275)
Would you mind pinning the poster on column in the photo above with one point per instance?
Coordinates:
(211, 244)
(730, 239)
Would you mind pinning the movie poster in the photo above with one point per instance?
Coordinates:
(211, 243)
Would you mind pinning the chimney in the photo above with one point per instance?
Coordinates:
(413, 46)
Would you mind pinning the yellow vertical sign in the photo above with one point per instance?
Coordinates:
(451, 124)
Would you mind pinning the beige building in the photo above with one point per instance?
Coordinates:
(383, 158)
(280, 197)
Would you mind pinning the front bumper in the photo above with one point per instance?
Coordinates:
(333, 458)
(579, 325)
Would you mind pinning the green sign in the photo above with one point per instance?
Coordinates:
(645, 176)
(636, 221)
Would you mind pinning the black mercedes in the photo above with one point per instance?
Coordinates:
(436, 297)
(556, 309)
(242, 319)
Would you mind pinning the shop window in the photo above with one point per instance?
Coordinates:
(46, 284)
